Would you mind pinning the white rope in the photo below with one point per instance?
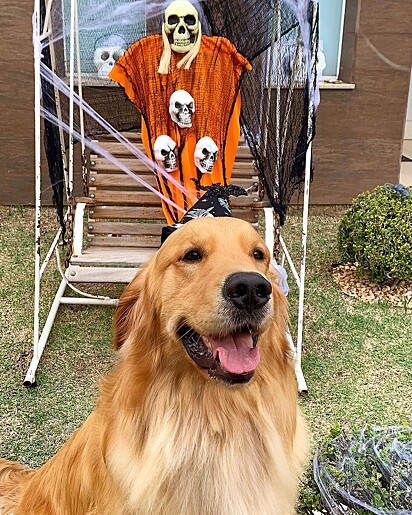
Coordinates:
(76, 290)
(95, 147)
(51, 77)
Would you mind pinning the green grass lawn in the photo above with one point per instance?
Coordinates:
(357, 357)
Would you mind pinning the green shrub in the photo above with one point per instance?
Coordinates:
(376, 232)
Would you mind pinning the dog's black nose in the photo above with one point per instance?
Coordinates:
(247, 290)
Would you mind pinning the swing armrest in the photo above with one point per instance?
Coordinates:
(85, 200)
(78, 228)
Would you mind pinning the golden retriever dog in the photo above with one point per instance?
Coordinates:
(199, 416)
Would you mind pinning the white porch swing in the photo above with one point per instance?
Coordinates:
(87, 266)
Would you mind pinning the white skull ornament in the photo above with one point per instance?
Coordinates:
(181, 25)
(108, 50)
(181, 108)
(165, 153)
(206, 153)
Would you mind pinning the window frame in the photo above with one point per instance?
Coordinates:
(335, 77)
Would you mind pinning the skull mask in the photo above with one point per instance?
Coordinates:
(182, 106)
(181, 25)
(108, 50)
(206, 154)
(165, 153)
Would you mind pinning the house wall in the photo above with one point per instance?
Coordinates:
(359, 132)
(16, 103)
(408, 125)
(409, 111)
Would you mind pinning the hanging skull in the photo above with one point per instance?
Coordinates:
(165, 153)
(206, 153)
(107, 50)
(181, 25)
(182, 107)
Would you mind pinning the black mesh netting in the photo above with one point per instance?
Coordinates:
(279, 37)
(52, 144)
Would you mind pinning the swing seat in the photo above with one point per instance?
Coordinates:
(122, 223)
(124, 219)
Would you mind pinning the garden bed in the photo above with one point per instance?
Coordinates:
(396, 292)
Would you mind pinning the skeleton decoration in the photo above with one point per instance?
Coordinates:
(182, 107)
(181, 25)
(186, 85)
(107, 50)
(165, 153)
(206, 154)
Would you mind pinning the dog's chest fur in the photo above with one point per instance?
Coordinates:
(228, 459)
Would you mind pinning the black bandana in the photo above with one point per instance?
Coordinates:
(214, 203)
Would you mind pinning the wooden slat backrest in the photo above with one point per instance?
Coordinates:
(118, 202)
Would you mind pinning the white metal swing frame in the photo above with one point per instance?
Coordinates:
(40, 335)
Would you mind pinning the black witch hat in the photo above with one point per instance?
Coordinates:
(214, 203)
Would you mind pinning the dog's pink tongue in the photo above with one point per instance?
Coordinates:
(236, 353)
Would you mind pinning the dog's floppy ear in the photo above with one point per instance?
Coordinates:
(123, 318)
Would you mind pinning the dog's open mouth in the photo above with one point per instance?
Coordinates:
(232, 358)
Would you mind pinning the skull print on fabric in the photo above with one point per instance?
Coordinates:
(108, 49)
(206, 154)
(181, 108)
(186, 87)
(165, 153)
(214, 203)
(181, 25)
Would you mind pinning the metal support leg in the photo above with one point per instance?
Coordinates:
(269, 234)
(269, 240)
(303, 257)
(302, 386)
(37, 131)
(30, 378)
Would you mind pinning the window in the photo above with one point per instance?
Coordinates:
(108, 27)
(106, 30)
(331, 19)
(333, 48)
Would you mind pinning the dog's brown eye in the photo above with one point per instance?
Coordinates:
(192, 255)
(258, 254)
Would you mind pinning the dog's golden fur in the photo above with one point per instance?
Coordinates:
(164, 437)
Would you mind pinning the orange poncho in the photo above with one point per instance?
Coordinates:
(213, 80)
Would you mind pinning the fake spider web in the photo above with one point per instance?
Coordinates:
(279, 96)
